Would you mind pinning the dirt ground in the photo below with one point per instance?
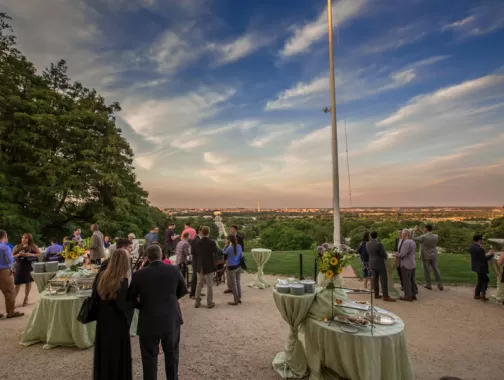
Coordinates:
(448, 333)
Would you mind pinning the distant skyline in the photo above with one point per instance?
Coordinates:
(222, 100)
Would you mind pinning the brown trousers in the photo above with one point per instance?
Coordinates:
(8, 290)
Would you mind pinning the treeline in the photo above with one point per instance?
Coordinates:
(63, 161)
(283, 234)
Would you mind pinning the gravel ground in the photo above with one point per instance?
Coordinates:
(448, 333)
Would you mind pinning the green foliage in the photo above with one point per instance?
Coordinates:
(63, 162)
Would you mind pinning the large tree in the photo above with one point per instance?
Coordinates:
(63, 162)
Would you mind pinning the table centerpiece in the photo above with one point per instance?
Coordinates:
(73, 253)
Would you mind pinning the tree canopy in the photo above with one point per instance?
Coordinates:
(63, 161)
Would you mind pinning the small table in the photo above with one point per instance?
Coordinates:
(497, 269)
(291, 363)
(333, 353)
(391, 266)
(53, 321)
(261, 256)
(42, 279)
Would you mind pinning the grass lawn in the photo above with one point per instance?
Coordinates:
(455, 269)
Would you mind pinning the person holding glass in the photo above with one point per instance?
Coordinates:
(25, 254)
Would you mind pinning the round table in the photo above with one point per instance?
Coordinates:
(391, 267)
(42, 279)
(291, 363)
(261, 256)
(497, 269)
(331, 352)
(53, 321)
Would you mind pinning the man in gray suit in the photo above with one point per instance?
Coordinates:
(428, 254)
(96, 247)
(377, 258)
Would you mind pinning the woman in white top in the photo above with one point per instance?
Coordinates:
(136, 245)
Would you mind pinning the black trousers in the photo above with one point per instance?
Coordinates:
(399, 272)
(380, 276)
(149, 348)
(194, 280)
(482, 285)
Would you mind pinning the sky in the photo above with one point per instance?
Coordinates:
(222, 100)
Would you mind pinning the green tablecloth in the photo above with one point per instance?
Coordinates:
(54, 322)
(261, 256)
(291, 363)
(391, 267)
(360, 356)
(332, 352)
(497, 269)
(42, 279)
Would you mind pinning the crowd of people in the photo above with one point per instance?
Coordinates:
(374, 256)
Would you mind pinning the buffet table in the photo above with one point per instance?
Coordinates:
(261, 257)
(391, 267)
(291, 363)
(42, 279)
(54, 322)
(331, 352)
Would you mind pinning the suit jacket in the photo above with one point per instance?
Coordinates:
(396, 244)
(206, 251)
(240, 241)
(159, 287)
(479, 259)
(194, 247)
(428, 246)
(377, 254)
(407, 254)
(96, 248)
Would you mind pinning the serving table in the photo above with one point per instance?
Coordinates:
(261, 257)
(332, 353)
(391, 264)
(53, 321)
(42, 279)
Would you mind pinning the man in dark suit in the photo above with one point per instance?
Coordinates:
(479, 265)
(377, 259)
(158, 287)
(194, 263)
(206, 251)
(397, 244)
(233, 230)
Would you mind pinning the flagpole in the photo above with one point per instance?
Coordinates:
(336, 200)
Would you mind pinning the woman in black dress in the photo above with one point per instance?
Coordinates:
(112, 350)
(25, 254)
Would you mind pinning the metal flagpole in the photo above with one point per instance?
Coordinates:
(336, 200)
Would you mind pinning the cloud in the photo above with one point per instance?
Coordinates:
(300, 94)
(239, 48)
(276, 131)
(483, 19)
(444, 99)
(306, 35)
(212, 158)
(394, 38)
(171, 52)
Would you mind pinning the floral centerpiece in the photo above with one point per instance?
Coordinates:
(331, 261)
(73, 253)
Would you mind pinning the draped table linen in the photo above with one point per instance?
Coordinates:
(391, 264)
(332, 353)
(291, 363)
(497, 269)
(261, 256)
(42, 279)
(53, 321)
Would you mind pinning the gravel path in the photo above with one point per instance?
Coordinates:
(448, 333)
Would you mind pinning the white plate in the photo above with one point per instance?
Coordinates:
(349, 329)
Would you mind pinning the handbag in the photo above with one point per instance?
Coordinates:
(243, 263)
(88, 311)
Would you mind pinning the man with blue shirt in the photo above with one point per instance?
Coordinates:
(6, 277)
(53, 253)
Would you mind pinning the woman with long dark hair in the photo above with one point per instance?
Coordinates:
(112, 350)
(25, 254)
(234, 253)
(366, 273)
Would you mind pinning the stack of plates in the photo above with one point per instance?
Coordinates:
(297, 289)
(51, 266)
(38, 267)
(282, 288)
(309, 286)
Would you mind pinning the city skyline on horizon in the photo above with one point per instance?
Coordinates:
(222, 101)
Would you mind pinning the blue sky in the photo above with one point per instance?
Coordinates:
(222, 100)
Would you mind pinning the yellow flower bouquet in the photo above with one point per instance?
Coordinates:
(331, 261)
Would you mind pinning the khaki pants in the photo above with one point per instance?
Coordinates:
(8, 289)
(202, 278)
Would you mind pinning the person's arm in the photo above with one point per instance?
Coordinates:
(134, 290)
(420, 238)
(181, 285)
(227, 250)
(34, 256)
(122, 301)
(382, 251)
(9, 259)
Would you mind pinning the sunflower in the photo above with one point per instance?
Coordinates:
(334, 261)
(329, 274)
